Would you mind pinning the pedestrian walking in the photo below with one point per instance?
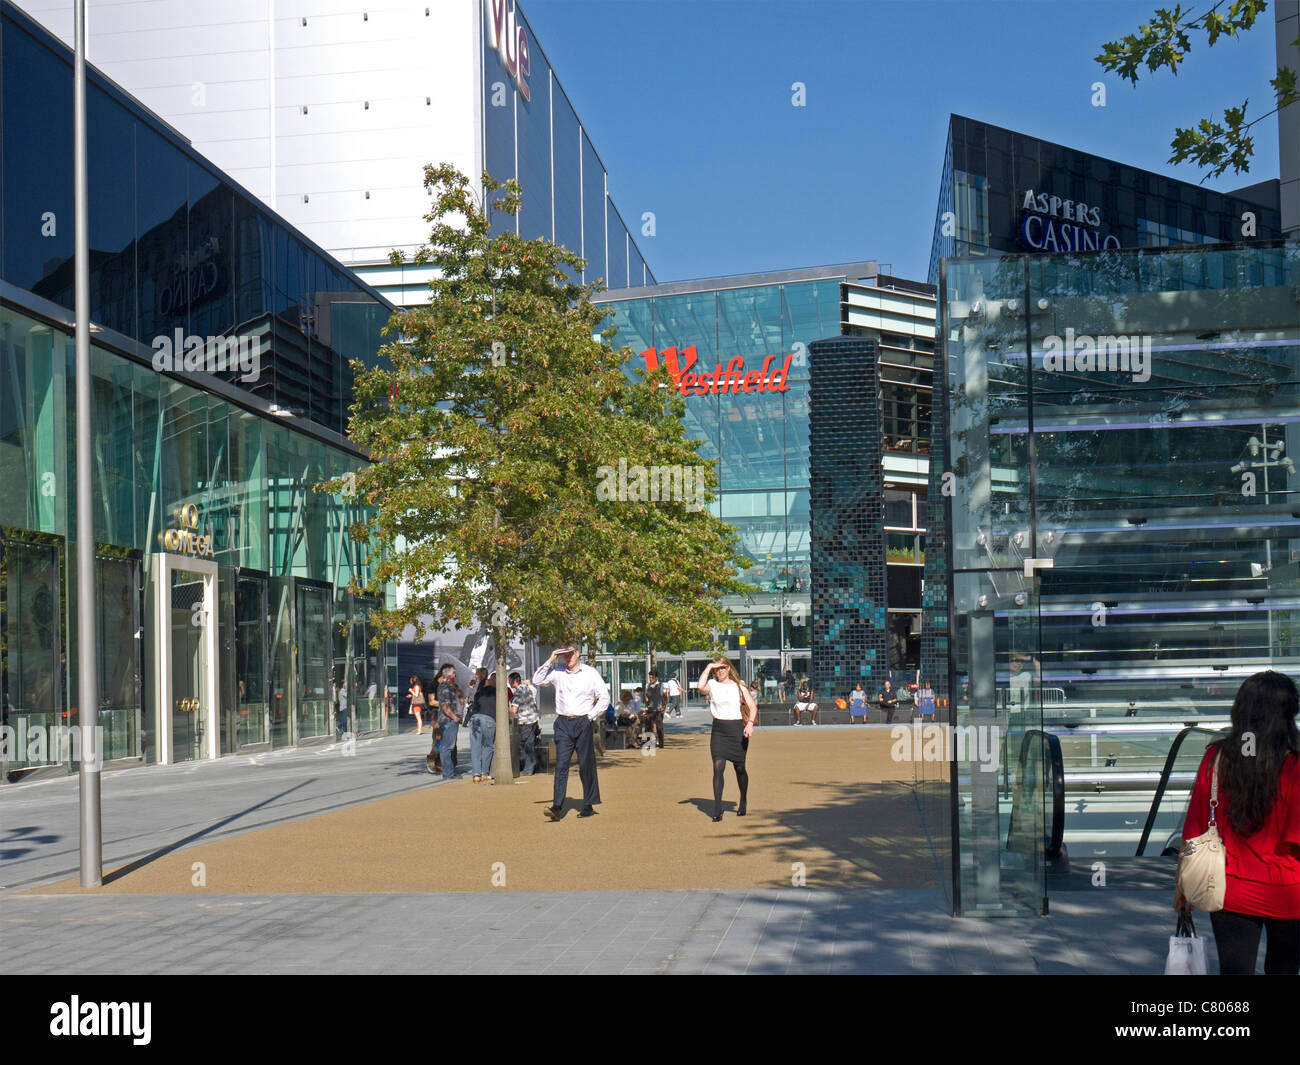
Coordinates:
(1248, 787)
(526, 717)
(416, 694)
(483, 729)
(734, 713)
(673, 695)
(581, 697)
(449, 717)
(654, 707)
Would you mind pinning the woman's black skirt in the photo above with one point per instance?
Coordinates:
(728, 742)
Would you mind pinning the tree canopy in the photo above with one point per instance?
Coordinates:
(1163, 43)
(499, 424)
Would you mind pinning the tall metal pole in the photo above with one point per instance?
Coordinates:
(92, 857)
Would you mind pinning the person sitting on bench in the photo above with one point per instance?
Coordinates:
(804, 703)
(627, 718)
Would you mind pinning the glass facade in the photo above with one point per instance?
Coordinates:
(1003, 191)
(541, 143)
(763, 444)
(175, 249)
(210, 537)
(1118, 546)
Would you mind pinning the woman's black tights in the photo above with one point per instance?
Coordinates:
(742, 778)
(1237, 937)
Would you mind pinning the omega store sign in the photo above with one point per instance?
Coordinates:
(1049, 223)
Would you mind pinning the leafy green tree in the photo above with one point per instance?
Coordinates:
(493, 427)
(1164, 42)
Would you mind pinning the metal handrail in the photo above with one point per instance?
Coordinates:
(1052, 842)
(1164, 779)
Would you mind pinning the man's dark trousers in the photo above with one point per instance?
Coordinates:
(574, 734)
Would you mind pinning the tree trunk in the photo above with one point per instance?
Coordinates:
(503, 762)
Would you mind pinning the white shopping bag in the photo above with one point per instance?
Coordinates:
(1186, 950)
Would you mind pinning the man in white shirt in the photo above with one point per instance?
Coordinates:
(581, 697)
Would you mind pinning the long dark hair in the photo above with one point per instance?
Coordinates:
(1251, 755)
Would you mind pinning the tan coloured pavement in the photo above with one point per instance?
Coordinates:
(830, 799)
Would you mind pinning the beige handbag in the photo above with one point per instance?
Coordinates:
(1202, 863)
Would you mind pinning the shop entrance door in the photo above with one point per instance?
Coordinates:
(317, 696)
(252, 715)
(185, 641)
(765, 670)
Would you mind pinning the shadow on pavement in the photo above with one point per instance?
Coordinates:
(140, 863)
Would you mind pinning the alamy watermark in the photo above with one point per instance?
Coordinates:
(976, 744)
(180, 353)
(652, 484)
(1081, 353)
(48, 744)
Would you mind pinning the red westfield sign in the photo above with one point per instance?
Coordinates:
(733, 379)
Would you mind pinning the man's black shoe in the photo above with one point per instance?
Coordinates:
(587, 811)
(552, 813)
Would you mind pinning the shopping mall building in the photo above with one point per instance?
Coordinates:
(221, 340)
(776, 450)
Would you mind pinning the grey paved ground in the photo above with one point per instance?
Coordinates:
(154, 809)
(149, 809)
(790, 931)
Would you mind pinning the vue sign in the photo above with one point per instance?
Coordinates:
(510, 41)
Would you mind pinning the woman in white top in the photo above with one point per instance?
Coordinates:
(734, 714)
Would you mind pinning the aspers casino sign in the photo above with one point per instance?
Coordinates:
(734, 378)
(510, 41)
(1053, 224)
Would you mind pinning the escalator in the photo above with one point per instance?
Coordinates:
(1039, 808)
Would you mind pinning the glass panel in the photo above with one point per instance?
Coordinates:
(121, 641)
(631, 675)
(593, 213)
(252, 679)
(691, 693)
(617, 246)
(162, 236)
(765, 672)
(35, 432)
(34, 696)
(284, 693)
(568, 179)
(37, 167)
(499, 102)
(365, 669)
(110, 162)
(315, 653)
(533, 123)
(189, 652)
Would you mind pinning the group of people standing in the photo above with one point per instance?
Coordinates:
(581, 699)
(450, 707)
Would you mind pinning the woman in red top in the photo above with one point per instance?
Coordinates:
(1258, 817)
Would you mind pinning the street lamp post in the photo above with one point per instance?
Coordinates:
(92, 857)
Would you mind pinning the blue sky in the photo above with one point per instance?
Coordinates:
(688, 103)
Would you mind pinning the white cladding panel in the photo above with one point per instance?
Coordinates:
(235, 77)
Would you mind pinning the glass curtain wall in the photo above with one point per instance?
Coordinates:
(759, 438)
(1119, 533)
(541, 142)
(160, 444)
